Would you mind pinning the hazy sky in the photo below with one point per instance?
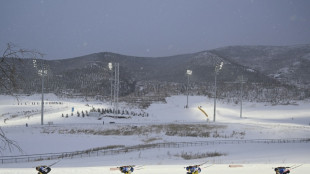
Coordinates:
(70, 28)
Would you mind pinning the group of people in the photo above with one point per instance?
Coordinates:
(195, 169)
(190, 169)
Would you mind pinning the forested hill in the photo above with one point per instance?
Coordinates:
(278, 70)
(289, 64)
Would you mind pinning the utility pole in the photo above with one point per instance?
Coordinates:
(242, 80)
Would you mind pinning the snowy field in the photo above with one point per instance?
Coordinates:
(165, 123)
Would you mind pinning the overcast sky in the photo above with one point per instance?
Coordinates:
(70, 28)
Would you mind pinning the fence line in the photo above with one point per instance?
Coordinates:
(112, 150)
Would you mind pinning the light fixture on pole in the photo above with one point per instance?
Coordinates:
(216, 70)
(116, 87)
(189, 73)
(41, 72)
(114, 68)
(110, 65)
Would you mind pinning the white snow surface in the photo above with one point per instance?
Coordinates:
(259, 121)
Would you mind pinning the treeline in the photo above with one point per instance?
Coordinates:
(94, 79)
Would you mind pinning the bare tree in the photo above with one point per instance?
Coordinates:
(8, 81)
(6, 143)
(10, 57)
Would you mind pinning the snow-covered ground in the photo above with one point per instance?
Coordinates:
(166, 123)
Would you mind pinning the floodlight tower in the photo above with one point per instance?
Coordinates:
(216, 70)
(41, 72)
(110, 65)
(116, 87)
(189, 73)
(114, 68)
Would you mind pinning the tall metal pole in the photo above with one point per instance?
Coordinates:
(117, 87)
(42, 102)
(114, 97)
(214, 112)
(240, 80)
(241, 96)
(110, 66)
(216, 70)
(41, 72)
(187, 90)
(188, 72)
(111, 88)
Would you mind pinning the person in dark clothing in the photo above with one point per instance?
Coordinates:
(43, 169)
(193, 169)
(282, 170)
(126, 169)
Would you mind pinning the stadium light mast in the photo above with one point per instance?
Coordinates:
(189, 73)
(216, 70)
(41, 72)
(114, 68)
(116, 87)
(110, 65)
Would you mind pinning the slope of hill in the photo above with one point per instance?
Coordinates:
(289, 64)
(275, 72)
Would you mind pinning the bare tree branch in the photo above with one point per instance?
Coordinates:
(8, 75)
(8, 82)
(7, 143)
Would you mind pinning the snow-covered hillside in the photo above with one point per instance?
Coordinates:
(265, 137)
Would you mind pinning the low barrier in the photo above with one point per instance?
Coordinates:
(101, 151)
